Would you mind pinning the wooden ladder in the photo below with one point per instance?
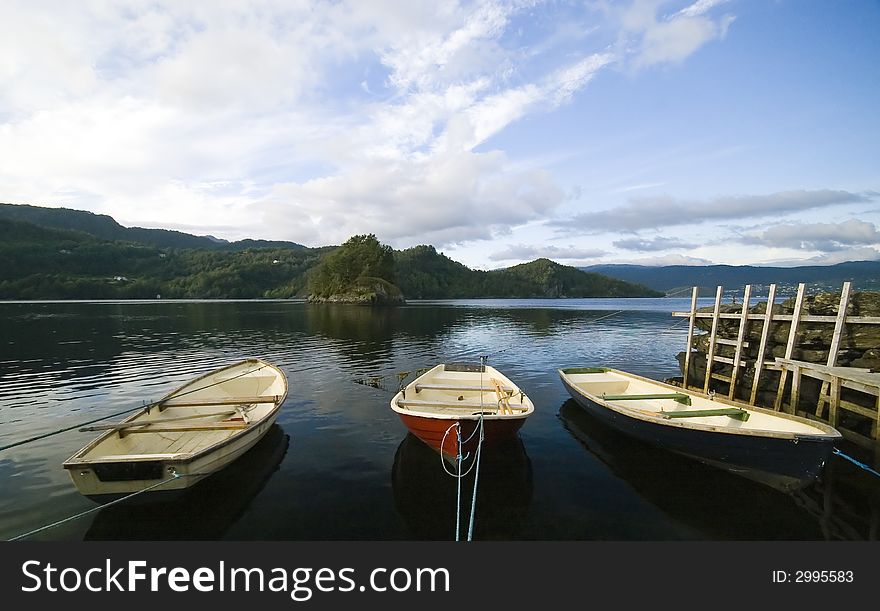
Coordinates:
(714, 341)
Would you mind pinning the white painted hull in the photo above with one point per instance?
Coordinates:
(173, 458)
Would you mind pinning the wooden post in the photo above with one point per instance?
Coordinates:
(795, 390)
(835, 345)
(710, 358)
(789, 347)
(690, 340)
(835, 400)
(740, 336)
(765, 334)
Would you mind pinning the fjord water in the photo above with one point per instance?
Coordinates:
(339, 464)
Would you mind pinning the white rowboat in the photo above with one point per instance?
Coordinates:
(186, 436)
(777, 449)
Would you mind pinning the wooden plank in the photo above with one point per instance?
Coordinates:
(218, 426)
(421, 387)
(711, 355)
(850, 320)
(762, 347)
(731, 412)
(222, 401)
(729, 361)
(835, 370)
(834, 401)
(456, 404)
(835, 340)
(675, 396)
(857, 409)
(789, 347)
(721, 376)
(795, 390)
(876, 430)
(740, 336)
(730, 342)
(690, 336)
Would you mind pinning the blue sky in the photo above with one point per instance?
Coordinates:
(695, 131)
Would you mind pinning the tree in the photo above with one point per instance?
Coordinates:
(361, 256)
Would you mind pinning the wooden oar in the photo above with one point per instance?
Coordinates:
(193, 427)
(503, 398)
(126, 425)
(172, 402)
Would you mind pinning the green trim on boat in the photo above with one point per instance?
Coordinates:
(733, 412)
(675, 396)
(572, 370)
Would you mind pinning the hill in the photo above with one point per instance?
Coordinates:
(106, 228)
(423, 273)
(865, 275)
(546, 278)
(89, 256)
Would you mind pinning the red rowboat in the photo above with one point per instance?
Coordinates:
(460, 394)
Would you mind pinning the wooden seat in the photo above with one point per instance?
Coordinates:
(675, 396)
(420, 387)
(456, 404)
(732, 412)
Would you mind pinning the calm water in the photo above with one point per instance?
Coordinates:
(339, 464)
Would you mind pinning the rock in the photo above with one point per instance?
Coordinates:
(365, 291)
(869, 358)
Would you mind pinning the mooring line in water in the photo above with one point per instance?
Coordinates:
(856, 462)
(98, 508)
(122, 413)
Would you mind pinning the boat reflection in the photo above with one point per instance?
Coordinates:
(204, 512)
(717, 504)
(425, 495)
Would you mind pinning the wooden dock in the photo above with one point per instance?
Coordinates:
(846, 395)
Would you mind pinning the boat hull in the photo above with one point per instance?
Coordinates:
(165, 455)
(432, 431)
(190, 472)
(784, 464)
(450, 402)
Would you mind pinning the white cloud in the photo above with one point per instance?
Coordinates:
(666, 260)
(524, 252)
(638, 187)
(654, 244)
(865, 253)
(671, 38)
(666, 211)
(303, 120)
(828, 237)
(440, 200)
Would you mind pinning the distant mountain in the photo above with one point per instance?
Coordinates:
(106, 228)
(93, 257)
(423, 273)
(546, 278)
(865, 275)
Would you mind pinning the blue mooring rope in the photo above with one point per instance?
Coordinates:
(857, 463)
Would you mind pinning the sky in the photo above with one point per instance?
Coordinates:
(594, 131)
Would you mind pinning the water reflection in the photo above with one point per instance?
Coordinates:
(720, 505)
(204, 512)
(425, 496)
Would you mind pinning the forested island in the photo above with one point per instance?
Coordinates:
(52, 253)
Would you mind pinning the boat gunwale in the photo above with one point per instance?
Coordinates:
(77, 462)
(418, 413)
(830, 433)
